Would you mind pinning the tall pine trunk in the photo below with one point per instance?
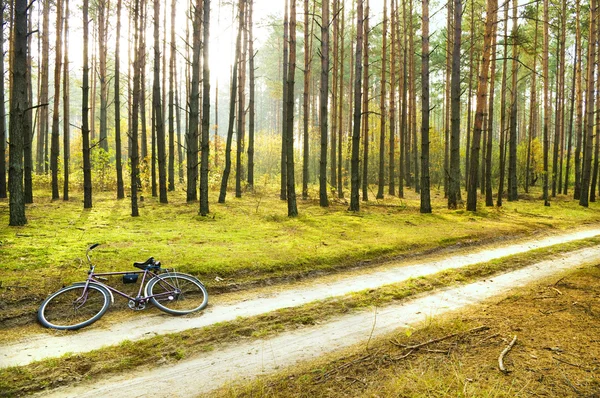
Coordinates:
(365, 105)
(454, 183)
(118, 154)
(425, 194)
(54, 152)
(172, 66)
(192, 133)
(251, 95)
(18, 115)
(355, 175)
(323, 101)
(579, 100)
(383, 116)
(102, 12)
(205, 141)
(159, 124)
(482, 85)
(3, 192)
(234, 80)
(85, 108)
(291, 189)
(512, 157)
(66, 105)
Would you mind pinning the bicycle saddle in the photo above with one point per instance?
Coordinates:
(148, 264)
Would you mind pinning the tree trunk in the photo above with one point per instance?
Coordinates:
(512, 158)
(393, 110)
(546, 103)
(241, 120)
(234, 79)
(102, 11)
(18, 115)
(579, 118)
(137, 96)
(340, 139)
(118, 154)
(492, 6)
(172, 66)
(27, 149)
(251, 98)
(587, 154)
(41, 165)
(365, 105)
(3, 193)
(425, 195)
(54, 152)
(85, 129)
(305, 102)
(571, 114)
(355, 177)
(454, 183)
(159, 124)
(192, 133)
(532, 105)
(334, 96)
(413, 99)
(489, 198)
(469, 99)
(447, 97)
(503, 110)
(291, 189)
(205, 145)
(323, 96)
(66, 104)
(382, 106)
(283, 190)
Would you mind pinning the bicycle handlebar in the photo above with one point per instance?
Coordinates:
(87, 253)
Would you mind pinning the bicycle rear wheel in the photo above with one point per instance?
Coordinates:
(177, 294)
(74, 307)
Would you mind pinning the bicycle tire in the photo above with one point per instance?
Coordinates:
(60, 311)
(193, 296)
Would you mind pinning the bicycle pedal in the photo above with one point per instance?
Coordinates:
(136, 306)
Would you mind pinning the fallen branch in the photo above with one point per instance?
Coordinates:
(571, 364)
(417, 346)
(491, 336)
(346, 365)
(503, 353)
(556, 290)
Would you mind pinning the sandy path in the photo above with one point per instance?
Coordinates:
(249, 359)
(46, 345)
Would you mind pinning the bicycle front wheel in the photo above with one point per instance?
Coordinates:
(177, 294)
(74, 307)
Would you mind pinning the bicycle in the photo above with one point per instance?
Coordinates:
(83, 303)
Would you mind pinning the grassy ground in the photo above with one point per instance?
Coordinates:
(171, 348)
(557, 352)
(243, 241)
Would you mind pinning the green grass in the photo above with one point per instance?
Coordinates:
(170, 348)
(244, 240)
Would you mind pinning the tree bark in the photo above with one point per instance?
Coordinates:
(85, 129)
(425, 194)
(579, 95)
(502, 157)
(512, 158)
(323, 97)
(159, 123)
(492, 6)
(382, 98)
(3, 193)
(355, 177)
(172, 66)
(454, 180)
(102, 10)
(66, 105)
(365, 105)
(547, 103)
(41, 165)
(234, 80)
(205, 145)
(118, 149)
(283, 190)
(137, 95)
(291, 189)
(18, 110)
(489, 198)
(192, 133)
(251, 95)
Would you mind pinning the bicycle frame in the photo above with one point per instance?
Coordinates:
(94, 278)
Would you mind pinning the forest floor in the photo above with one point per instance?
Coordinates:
(556, 320)
(315, 327)
(247, 242)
